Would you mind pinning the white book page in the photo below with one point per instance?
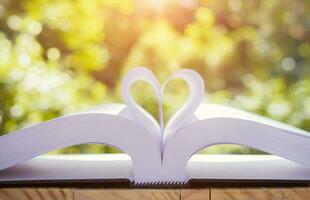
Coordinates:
(181, 117)
(107, 127)
(245, 167)
(134, 109)
(119, 166)
(208, 111)
(71, 167)
(230, 126)
(185, 113)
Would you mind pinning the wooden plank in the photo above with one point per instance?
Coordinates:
(126, 194)
(195, 194)
(297, 193)
(35, 193)
(260, 193)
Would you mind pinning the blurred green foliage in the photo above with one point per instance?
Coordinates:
(61, 56)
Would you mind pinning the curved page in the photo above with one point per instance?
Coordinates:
(186, 112)
(136, 111)
(222, 125)
(86, 127)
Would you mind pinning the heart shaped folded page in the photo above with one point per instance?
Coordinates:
(181, 117)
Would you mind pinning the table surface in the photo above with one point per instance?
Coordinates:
(214, 193)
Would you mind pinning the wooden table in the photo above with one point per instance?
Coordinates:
(207, 193)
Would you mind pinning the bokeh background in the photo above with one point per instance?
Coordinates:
(62, 56)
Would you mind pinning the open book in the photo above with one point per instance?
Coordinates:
(156, 153)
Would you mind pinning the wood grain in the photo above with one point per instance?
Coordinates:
(36, 193)
(260, 194)
(195, 194)
(297, 193)
(124, 194)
